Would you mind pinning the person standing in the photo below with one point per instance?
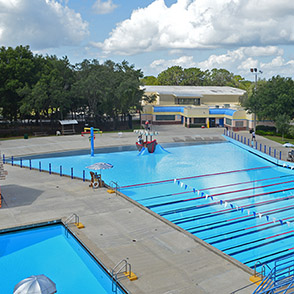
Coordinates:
(147, 124)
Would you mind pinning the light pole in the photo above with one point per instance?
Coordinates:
(255, 71)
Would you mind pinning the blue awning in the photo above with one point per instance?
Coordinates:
(222, 111)
(168, 108)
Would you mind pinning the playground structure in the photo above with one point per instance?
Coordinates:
(149, 143)
(87, 131)
(91, 131)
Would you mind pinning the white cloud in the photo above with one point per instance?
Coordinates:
(104, 7)
(40, 24)
(238, 61)
(183, 61)
(198, 24)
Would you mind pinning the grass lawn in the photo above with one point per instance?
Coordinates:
(279, 139)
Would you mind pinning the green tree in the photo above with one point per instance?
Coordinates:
(172, 76)
(18, 68)
(193, 77)
(282, 123)
(149, 81)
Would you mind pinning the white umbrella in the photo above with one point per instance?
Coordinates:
(288, 145)
(100, 165)
(39, 284)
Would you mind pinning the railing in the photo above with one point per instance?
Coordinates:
(69, 220)
(114, 186)
(280, 279)
(118, 272)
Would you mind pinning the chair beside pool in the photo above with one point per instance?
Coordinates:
(96, 180)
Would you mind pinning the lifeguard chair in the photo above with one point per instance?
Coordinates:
(96, 180)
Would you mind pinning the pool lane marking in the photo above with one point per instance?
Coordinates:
(218, 202)
(225, 223)
(269, 255)
(210, 188)
(199, 176)
(228, 210)
(268, 224)
(258, 246)
(217, 194)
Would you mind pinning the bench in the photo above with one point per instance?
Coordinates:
(38, 134)
(68, 132)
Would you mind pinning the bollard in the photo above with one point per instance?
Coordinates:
(238, 138)
(280, 155)
(248, 142)
(274, 153)
(60, 172)
(255, 145)
(50, 169)
(84, 176)
(260, 147)
(3, 160)
(269, 151)
(40, 169)
(71, 172)
(265, 149)
(30, 163)
(12, 160)
(20, 163)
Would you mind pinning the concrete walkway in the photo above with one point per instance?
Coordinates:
(166, 259)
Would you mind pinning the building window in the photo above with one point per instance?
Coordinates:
(228, 121)
(165, 117)
(198, 120)
(239, 124)
(188, 101)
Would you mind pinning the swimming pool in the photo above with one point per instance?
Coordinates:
(230, 198)
(48, 250)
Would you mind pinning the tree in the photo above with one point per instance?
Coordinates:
(282, 123)
(18, 68)
(149, 80)
(172, 76)
(193, 77)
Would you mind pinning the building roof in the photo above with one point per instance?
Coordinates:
(194, 91)
(68, 122)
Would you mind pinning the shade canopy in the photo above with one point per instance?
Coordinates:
(39, 284)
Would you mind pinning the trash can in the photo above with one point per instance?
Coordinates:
(25, 136)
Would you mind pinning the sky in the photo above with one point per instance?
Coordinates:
(156, 34)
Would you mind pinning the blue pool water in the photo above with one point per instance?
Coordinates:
(259, 226)
(47, 250)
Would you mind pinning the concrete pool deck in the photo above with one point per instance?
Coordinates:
(165, 258)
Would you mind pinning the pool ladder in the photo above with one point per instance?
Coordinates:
(120, 270)
(114, 185)
(69, 220)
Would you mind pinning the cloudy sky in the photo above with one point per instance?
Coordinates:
(156, 34)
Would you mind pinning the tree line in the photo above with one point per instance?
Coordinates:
(40, 87)
(177, 76)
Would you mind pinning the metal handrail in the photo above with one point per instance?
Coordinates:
(114, 185)
(68, 221)
(114, 273)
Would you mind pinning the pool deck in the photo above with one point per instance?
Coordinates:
(166, 259)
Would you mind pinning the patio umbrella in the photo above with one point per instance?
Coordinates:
(39, 284)
(100, 165)
(288, 145)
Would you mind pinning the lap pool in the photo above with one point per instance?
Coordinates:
(49, 250)
(232, 199)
